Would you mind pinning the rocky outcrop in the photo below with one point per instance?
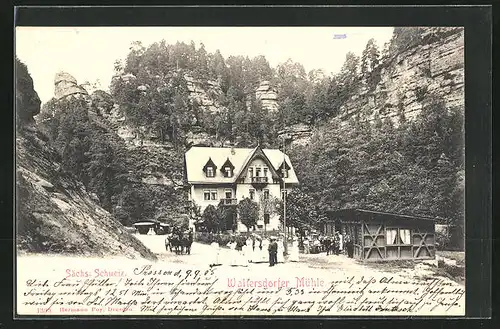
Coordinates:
(66, 85)
(205, 93)
(299, 134)
(432, 66)
(54, 212)
(27, 100)
(268, 96)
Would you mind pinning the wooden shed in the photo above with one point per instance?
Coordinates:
(384, 236)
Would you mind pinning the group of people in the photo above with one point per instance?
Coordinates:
(331, 244)
(256, 249)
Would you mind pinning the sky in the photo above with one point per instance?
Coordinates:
(89, 53)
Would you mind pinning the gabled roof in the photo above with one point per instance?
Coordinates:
(196, 157)
(227, 164)
(209, 163)
(258, 153)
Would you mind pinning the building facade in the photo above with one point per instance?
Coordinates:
(384, 236)
(225, 176)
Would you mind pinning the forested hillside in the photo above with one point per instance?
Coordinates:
(55, 213)
(384, 133)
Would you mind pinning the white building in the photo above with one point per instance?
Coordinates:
(225, 176)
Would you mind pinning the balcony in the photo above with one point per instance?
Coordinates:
(259, 182)
(229, 202)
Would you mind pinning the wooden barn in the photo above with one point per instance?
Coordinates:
(384, 236)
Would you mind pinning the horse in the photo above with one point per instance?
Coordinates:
(176, 243)
(168, 242)
(186, 242)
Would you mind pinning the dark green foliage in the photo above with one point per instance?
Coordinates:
(211, 219)
(301, 210)
(156, 95)
(97, 157)
(416, 168)
(227, 217)
(369, 58)
(248, 212)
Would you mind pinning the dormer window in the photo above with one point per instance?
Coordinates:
(227, 169)
(210, 168)
(283, 169)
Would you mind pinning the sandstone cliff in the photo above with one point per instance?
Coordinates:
(55, 212)
(433, 65)
(66, 85)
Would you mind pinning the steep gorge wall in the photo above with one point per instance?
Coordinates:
(432, 66)
(55, 213)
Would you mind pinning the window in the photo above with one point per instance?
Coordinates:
(257, 172)
(401, 236)
(250, 172)
(392, 235)
(265, 171)
(252, 194)
(229, 194)
(405, 236)
(213, 195)
(266, 194)
(228, 172)
(283, 192)
(206, 195)
(210, 172)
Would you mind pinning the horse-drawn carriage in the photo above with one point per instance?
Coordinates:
(179, 242)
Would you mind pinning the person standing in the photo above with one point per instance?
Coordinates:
(306, 246)
(248, 250)
(233, 253)
(349, 244)
(264, 249)
(273, 252)
(215, 254)
(281, 250)
(294, 254)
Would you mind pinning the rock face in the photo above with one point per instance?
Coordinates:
(205, 93)
(299, 134)
(54, 212)
(66, 85)
(434, 65)
(27, 100)
(268, 96)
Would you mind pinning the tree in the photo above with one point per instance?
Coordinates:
(349, 72)
(248, 212)
(227, 217)
(301, 212)
(369, 57)
(211, 219)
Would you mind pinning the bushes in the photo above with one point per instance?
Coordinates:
(221, 238)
